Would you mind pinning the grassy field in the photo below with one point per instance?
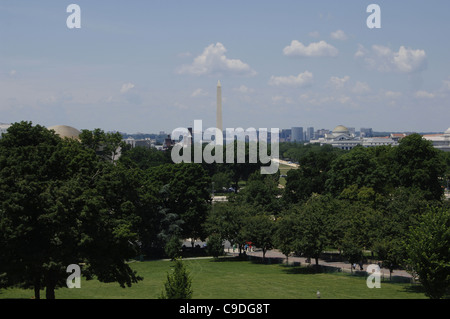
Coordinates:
(283, 171)
(231, 278)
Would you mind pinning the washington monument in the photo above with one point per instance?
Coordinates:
(219, 107)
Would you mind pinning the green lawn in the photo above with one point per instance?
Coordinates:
(284, 169)
(234, 279)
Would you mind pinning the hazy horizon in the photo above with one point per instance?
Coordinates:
(153, 66)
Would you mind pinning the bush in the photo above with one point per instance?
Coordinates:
(178, 284)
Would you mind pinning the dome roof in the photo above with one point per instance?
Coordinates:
(340, 129)
(447, 132)
(65, 131)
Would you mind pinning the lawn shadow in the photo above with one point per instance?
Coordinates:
(308, 270)
(415, 289)
(228, 259)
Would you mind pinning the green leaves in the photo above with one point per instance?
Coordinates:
(428, 251)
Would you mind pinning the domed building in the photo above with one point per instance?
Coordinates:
(341, 129)
(66, 131)
(341, 138)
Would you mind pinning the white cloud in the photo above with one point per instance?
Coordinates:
(408, 60)
(126, 87)
(213, 61)
(282, 99)
(199, 92)
(315, 49)
(424, 95)
(339, 83)
(244, 89)
(383, 59)
(392, 94)
(361, 88)
(300, 80)
(339, 35)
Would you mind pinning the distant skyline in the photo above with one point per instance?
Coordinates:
(150, 66)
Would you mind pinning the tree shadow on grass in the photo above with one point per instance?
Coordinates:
(304, 270)
(415, 288)
(228, 259)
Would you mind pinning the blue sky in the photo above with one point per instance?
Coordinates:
(147, 66)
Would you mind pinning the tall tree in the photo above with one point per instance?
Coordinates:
(259, 230)
(312, 174)
(428, 251)
(314, 226)
(53, 213)
(419, 165)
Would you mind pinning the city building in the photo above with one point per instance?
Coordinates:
(285, 135)
(341, 137)
(440, 141)
(310, 134)
(366, 132)
(321, 133)
(297, 134)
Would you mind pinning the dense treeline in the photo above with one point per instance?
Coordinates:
(68, 202)
(358, 202)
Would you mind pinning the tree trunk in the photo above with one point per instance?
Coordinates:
(317, 261)
(50, 284)
(50, 292)
(37, 289)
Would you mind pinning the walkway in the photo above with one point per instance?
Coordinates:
(336, 264)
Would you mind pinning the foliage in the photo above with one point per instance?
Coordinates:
(173, 248)
(178, 284)
(428, 252)
(61, 205)
(261, 192)
(419, 165)
(314, 227)
(214, 245)
(259, 230)
(312, 173)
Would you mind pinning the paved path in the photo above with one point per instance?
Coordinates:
(302, 260)
(342, 265)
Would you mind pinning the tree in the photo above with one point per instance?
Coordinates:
(143, 157)
(314, 164)
(173, 248)
(358, 167)
(419, 165)
(106, 145)
(260, 230)
(187, 195)
(285, 233)
(227, 220)
(314, 226)
(178, 284)
(54, 212)
(261, 192)
(214, 246)
(428, 252)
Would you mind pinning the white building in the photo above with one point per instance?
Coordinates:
(3, 128)
(342, 138)
(440, 141)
